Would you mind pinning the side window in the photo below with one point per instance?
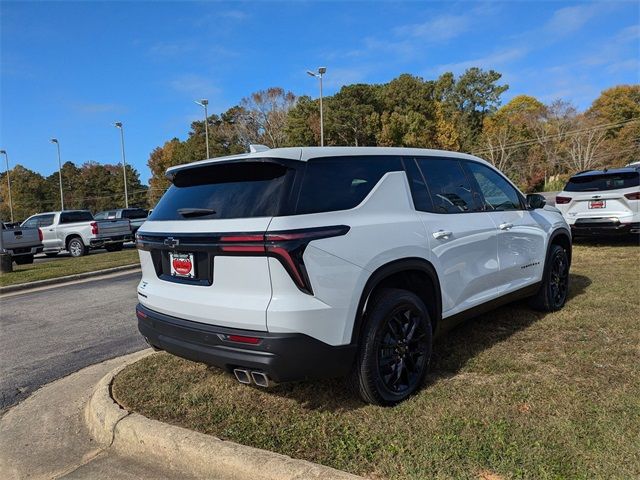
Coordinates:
(100, 216)
(448, 185)
(341, 183)
(112, 214)
(45, 220)
(31, 223)
(497, 192)
(419, 192)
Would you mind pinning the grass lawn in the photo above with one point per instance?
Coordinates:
(68, 266)
(511, 394)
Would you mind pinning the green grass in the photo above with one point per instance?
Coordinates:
(511, 394)
(68, 266)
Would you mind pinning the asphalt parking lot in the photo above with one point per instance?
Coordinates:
(42, 258)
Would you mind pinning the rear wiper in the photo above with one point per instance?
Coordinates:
(196, 212)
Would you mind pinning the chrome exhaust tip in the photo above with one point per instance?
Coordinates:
(261, 379)
(242, 376)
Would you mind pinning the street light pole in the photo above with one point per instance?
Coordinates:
(55, 140)
(6, 157)
(319, 74)
(124, 163)
(203, 103)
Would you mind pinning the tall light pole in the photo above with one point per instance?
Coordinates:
(124, 163)
(55, 140)
(319, 74)
(6, 157)
(203, 103)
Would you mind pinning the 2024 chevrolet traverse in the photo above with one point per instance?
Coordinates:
(294, 263)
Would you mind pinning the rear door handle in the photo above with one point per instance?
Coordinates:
(441, 234)
(506, 226)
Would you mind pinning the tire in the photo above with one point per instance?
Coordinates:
(23, 259)
(76, 247)
(387, 375)
(114, 247)
(51, 254)
(555, 282)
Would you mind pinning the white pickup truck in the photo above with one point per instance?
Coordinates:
(77, 232)
(21, 243)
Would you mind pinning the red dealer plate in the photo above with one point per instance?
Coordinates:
(182, 265)
(597, 203)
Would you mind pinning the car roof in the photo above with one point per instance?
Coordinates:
(592, 173)
(306, 153)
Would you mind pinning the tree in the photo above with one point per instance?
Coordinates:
(507, 135)
(160, 159)
(585, 144)
(265, 113)
(348, 119)
(303, 123)
(29, 194)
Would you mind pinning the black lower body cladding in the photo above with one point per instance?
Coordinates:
(284, 357)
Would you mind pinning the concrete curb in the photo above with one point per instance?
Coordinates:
(67, 278)
(189, 452)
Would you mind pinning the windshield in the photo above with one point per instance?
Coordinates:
(604, 181)
(228, 190)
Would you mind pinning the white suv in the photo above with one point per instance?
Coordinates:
(602, 202)
(295, 263)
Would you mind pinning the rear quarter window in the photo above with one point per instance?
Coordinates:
(603, 182)
(341, 183)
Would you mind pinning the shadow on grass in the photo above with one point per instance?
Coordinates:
(450, 353)
(608, 241)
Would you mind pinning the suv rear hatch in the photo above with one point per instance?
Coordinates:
(600, 195)
(193, 247)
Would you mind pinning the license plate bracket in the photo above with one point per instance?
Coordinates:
(182, 265)
(597, 203)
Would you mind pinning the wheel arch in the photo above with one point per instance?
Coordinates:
(70, 237)
(561, 237)
(414, 274)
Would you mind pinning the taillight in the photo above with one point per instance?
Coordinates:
(94, 228)
(561, 200)
(287, 246)
(633, 195)
(40, 236)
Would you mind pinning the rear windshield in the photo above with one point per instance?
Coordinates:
(605, 181)
(229, 190)
(72, 217)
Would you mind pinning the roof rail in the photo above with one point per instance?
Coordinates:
(253, 148)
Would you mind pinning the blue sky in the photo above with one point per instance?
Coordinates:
(70, 69)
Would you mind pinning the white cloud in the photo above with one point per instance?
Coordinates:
(196, 85)
(568, 20)
(438, 29)
(493, 60)
(94, 108)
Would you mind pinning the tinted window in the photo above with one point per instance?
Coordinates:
(31, 223)
(421, 199)
(498, 194)
(341, 183)
(448, 185)
(229, 190)
(100, 216)
(72, 217)
(45, 220)
(138, 213)
(112, 214)
(604, 181)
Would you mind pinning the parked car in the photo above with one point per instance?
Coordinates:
(136, 216)
(297, 263)
(602, 202)
(77, 232)
(21, 243)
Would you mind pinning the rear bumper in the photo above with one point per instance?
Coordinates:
(284, 357)
(603, 226)
(17, 252)
(98, 242)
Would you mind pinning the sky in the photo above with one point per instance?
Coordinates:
(71, 69)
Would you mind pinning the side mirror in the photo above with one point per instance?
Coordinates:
(535, 200)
